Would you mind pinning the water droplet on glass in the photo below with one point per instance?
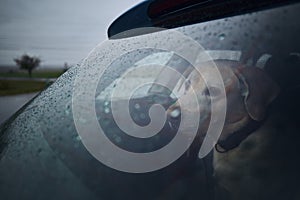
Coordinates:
(82, 120)
(175, 113)
(106, 110)
(105, 122)
(142, 116)
(78, 138)
(39, 150)
(118, 139)
(137, 106)
(67, 110)
(222, 36)
(106, 103)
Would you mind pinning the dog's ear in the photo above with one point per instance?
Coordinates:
(261, 90)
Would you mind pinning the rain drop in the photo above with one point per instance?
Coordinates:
(78, 138)
(106, 110)
(175, 113)
(106, 103)
(142, 116)
(82, 120)
(67, 110)
(118, 139)
(137, 106)
(222, 36)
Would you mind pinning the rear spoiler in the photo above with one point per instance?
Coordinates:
(175, 13)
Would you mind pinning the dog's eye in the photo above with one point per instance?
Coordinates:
(212, 91)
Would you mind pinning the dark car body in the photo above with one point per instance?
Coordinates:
(42, 156)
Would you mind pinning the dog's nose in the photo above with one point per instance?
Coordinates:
(227, 144)
(175, 113)
(219, 148)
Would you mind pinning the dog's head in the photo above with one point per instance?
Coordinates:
(249, 91)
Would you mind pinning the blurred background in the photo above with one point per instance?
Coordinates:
(41, 39)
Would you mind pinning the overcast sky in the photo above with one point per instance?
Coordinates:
(57, 31)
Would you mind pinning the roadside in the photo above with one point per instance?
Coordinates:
(11, 104)
(14, 81)
(27, 79)
(14, 87)
(35, 74)
(17, 88)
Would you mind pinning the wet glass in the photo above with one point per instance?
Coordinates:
(258, 55)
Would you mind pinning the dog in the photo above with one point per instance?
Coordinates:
(248, 128)
(249, 91)
(266, 164)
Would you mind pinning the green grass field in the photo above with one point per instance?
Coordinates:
(12, 87)
(35, 74)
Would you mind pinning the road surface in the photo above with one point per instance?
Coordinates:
(10, 104)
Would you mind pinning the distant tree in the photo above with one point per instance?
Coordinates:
(28, 63)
